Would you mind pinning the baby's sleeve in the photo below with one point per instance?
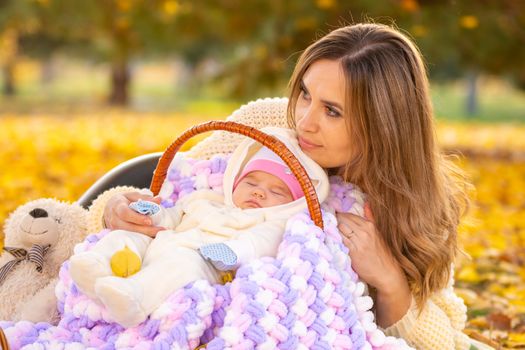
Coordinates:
(258, 241)
(168, 217)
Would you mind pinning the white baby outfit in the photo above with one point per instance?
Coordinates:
(172, 259)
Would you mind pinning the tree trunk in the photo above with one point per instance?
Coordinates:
(120, 78)
(8, 59)
(8, 88)
(472, 94)
(47, 71)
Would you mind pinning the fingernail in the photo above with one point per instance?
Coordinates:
(147, 221)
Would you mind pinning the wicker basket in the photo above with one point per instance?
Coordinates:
(3, 341)
(269, 141)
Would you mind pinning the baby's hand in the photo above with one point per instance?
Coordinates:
(220, 255)
(145, 207)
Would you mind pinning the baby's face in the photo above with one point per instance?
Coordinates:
(259, 189)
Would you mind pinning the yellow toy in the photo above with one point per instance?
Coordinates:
(125, 263)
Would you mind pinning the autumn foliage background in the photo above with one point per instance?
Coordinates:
(88, 85)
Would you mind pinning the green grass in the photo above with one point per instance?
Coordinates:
(497, 102)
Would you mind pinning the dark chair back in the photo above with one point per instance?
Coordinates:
(136, 172)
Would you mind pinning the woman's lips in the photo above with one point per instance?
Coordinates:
(306, 145)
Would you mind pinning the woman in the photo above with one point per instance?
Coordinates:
(360, 104)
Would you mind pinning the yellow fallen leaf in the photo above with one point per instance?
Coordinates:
(468, 274)
(479, 322)
(468, 296)
(516, 339)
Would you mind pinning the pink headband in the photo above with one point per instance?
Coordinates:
(269, 162)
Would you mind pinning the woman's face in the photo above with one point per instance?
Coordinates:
(319, 115)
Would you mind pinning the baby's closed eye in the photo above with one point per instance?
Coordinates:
(278, 192)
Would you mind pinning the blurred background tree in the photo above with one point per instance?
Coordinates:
(110, 31)
(466, 39)
(246, 49)
(17, 18)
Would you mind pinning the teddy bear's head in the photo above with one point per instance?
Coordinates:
(38, 227)
(47, 222)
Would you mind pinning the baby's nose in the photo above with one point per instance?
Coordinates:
(258, 193)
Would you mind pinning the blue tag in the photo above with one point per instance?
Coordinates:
(220, 255)
(145, 207)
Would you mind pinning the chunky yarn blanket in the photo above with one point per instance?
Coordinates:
(308, 297)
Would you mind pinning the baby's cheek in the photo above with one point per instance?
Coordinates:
(236, 197)
(284, 200)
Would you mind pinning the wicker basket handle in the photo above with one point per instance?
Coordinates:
(269, 141)
(3, 340)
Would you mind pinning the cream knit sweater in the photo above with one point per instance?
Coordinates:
(440, 323)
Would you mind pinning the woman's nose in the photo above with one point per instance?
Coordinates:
(308, 121)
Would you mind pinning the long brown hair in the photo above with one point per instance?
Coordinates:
(416, 194)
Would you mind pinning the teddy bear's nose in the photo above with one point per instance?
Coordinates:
(38, 213)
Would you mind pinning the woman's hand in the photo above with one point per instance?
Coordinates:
(371, 259)
(118, 215)
(375, 265)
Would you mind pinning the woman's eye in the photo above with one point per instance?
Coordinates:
(304, 94)
(250, 183)
(331, 112)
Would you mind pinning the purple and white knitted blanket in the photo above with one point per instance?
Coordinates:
(308, 297)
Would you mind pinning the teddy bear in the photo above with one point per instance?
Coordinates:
(38, 237)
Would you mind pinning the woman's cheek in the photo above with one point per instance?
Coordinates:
(340, 146)
(298, 115)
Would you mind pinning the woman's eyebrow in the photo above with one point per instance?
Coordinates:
(333, 104)
(326, 102)
(303, 86)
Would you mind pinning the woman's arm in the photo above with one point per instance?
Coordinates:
(392, 300)
(440, 323)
